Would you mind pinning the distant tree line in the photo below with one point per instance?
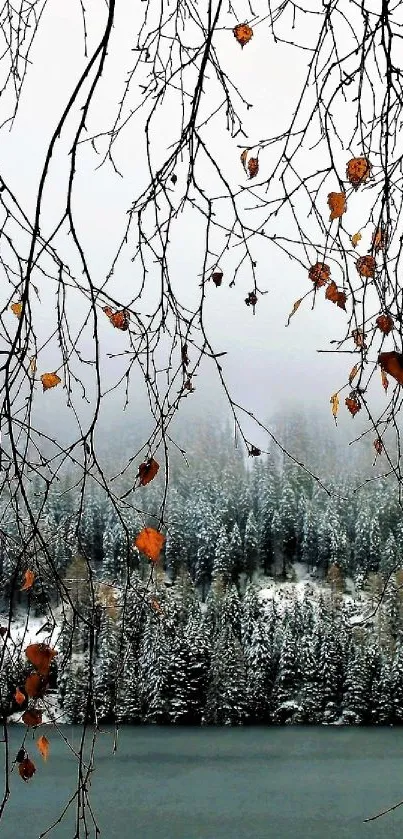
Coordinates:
(198, 645)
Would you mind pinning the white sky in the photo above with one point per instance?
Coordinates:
(267, 363)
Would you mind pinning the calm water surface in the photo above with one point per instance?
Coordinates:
(282, 783)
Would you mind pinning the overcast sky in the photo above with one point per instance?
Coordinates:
(268, 363)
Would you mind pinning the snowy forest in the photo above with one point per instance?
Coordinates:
(263, 610)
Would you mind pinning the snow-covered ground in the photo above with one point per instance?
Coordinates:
(303, 583)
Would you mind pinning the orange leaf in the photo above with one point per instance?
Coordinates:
(35, 685)
(17, 309)
(32, 717)
(148, 471)
(150, 542)
(294, 309)
(156, 606)
(19, 697)
(353, 373)
(49, 380)
(378, 445)
(243, 33)
(365, 266)
(43, 746)
(358, 171)
(379, 240)
(385, 324)
(353, 405)
(40, 655)
(319, 274)
(253, 167)
(337, 204)
(392, 363)
(385, 381)
(26, 769)
(29, 578)
(243, 158)
(336, 296)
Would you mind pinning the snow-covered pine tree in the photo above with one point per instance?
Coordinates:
(251, 546)
(223, 559)
(226, 701)
(259, 672)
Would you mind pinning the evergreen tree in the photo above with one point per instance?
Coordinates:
(226, 701)
(223, 560)
(259, 672)
(251, 546)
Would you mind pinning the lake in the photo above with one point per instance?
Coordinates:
(225, 783)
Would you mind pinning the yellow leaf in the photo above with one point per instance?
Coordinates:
(32, 365)
(294, 309)
(335, 402)
(43, 746)
(356, 237)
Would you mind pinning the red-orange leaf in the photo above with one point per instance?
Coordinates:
(353, 405)
(26, 769)
(243, 33)
(337, 204)
(253, 167)
(119, 319)
(150, 542)
(378, 446)
(365, 266)
(358, 171)
(35, 685)
(40, 655)
(19, 697)
(43, 746)
(336, 296)
(392, 363)
(148, 471)
(319, 274)
(385, 381)
(385, 324)
(29, 578)
(32, 717)
(50, 380)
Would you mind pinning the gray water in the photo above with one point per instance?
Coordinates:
(180, 783)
